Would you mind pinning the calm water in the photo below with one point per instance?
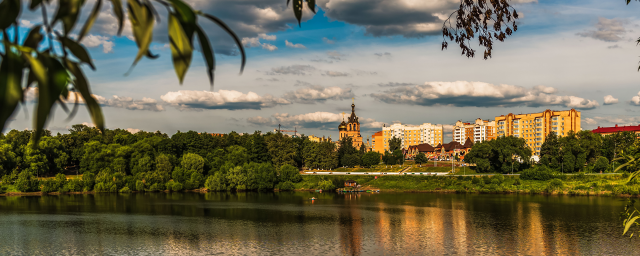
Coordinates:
(290, 224)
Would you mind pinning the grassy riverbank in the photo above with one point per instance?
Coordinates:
(607, 185)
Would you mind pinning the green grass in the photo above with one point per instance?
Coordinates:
(375, 168)
(609, 185)
(418, 169)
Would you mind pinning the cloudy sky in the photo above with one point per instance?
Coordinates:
(384, 53)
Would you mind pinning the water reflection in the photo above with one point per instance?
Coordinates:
(290, 224)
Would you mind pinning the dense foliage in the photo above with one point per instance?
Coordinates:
(119, 161)
(502, 155)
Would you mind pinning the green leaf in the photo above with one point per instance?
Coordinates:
(34, 37)
(37, 69)
(9, 13)
(117, 10)
(68, 11)
(141, 19)
(187, 18)
(235, 37)
(82, 85)
(92, 18)
(297, 10)
(10, 85)
(207, 53)
(49, 93)
(312, 5)
(34, 4)
(629, 223)
(181, 48)
(78, 50)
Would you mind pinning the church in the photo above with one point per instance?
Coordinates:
(351, 128)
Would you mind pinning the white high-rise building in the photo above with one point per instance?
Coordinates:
(413, 134)
(478, 131)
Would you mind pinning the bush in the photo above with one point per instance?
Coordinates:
(286, 186)
(326, 185)
(500, 177)
(289, 173)
(554, 184)
(476, 181)
(601, 164)
(26, 182)
(176, 186)
(154, 187)
(125, 190)
(495, 181)
(486, 179)
(539, 172)
(139, 186)
(370, 158)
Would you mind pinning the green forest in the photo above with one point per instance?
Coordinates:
(581, 151)
(119, 161)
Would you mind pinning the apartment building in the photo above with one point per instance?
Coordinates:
(478, 131)
(535, 127)
(413, 134)
(377, 142)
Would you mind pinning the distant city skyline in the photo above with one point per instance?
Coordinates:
(569, 54)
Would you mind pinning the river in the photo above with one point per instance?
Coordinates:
(288, 223)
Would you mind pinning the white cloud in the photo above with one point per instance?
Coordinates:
(255, 41)
(300, 70)
(609, 100)
(269, 47)
(132, 130)
(118, 102)
(608, 30)
(314, 94)
(635, 100)
(334, 55)
(267, 37)
(334, 73)
(251, 41)
(26, 23)
(91, 41)
(328, 41)
(612, 120)
(222, 99)
(292, 45)
(479, 94)
(320, 120)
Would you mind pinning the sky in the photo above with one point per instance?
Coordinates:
(385, 54)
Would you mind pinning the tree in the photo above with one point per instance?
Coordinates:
(388, 158)
(395, 144)
(399, 156)
(281, 149)
(421, 159)
(601, 164)
(370, 159)
(550, 152)
(500, 155)
(351, 160)
(289, 173)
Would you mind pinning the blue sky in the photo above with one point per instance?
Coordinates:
(385, 54)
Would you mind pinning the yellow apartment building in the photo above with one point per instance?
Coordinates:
(535, 127)
(413, 134)
(318, 139)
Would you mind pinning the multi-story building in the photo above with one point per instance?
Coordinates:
(413, 134)
(478, 131)
(318, 139)
(535, 127)
(377, 142)
(351, 128)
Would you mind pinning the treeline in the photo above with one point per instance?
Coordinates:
(581, 151)
(117, 160)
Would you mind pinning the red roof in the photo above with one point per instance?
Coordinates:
(617, 128)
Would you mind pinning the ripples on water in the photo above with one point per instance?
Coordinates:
(290, 224)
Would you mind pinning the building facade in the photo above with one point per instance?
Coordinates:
(377, 142)
(313, 138)
(616, 129)
(478, 131)
(535, 127)
(351, 128)
(412, 134)
(441, 151)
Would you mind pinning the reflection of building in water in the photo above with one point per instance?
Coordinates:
(351, 227)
